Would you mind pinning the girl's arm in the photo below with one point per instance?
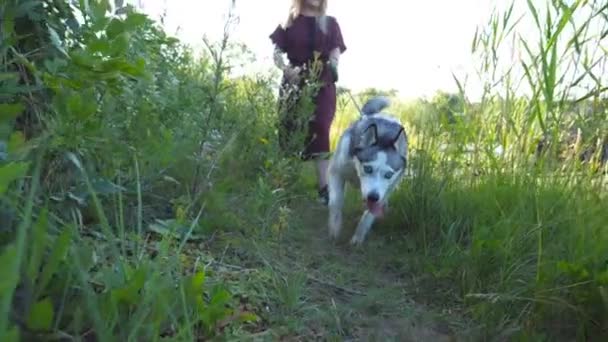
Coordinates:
(279, 60)
(338, 42)
(334, 56)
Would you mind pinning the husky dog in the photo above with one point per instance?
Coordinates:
(371, 154)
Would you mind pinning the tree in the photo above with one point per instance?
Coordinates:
(371, 92)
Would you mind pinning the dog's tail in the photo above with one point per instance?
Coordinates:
(375, 105)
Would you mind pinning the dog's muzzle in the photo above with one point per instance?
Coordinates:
(374, 205)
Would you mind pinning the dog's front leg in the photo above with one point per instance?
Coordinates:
(365, 224)
(336, 202)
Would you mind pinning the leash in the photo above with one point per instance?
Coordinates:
(353, 100)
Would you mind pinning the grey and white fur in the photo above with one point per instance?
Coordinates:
(371, 154)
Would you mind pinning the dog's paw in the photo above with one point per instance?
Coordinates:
(357, 240)
(333, 233)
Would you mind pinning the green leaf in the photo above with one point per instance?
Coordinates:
(38, 245)
(217, 309)
(89, 106)
(8, 279)
(99, 45)
(124, 295)
(74, 103)
(120, 44)
(5, 131)
(8, 24)
(9, 111)
(137, 69)
(197, 281)
(247, 317)
(108, 276)
(99, 10)
(534, 14)
(130, 292)
(82, 58)
(220, 296)
(193, 286)
(12, 335)
(84, 6)
(86, 254)
(81, 105)
(58, 252)
(9, 76)
(16, 141)
(115, 28)
(11, 172)
(135, 20)
(41, 315)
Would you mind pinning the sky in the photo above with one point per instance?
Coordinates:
(411, 46)
(415, 47)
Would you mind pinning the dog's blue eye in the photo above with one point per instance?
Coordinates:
(367, 169)
(388, 175)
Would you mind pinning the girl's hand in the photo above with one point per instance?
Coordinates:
(334, 59)
(333, 67)
(292, 74)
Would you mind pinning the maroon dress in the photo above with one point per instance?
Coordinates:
(298, 42)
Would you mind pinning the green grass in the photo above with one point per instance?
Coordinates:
(315, 288)
(143, 194)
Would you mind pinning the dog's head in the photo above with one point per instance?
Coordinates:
(380, 155)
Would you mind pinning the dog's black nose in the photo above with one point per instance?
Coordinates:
(373, 196)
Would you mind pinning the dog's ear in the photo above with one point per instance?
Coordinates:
(400, 143)
(368, 137)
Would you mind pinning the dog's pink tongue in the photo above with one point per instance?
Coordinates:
(376, 208)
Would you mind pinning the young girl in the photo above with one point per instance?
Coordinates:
(308, 30)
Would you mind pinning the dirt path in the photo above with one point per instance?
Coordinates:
(313, 289)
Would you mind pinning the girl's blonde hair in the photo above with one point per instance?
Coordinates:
(296, 8)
